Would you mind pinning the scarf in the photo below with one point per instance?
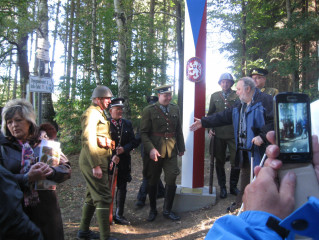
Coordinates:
(31, 196)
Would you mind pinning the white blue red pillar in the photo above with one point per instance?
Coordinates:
(194, 93)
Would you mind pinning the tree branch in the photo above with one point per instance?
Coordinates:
(159, 12)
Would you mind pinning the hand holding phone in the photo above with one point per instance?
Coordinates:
(293, 136)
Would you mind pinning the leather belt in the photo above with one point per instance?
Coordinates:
(166, 134)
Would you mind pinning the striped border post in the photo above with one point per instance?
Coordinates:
(194, 92)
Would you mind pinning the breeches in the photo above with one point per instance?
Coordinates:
(220, 147)
(170, 167)
(98, 192)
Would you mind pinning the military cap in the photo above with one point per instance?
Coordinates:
(258, 71)
(164, 89)
(226, 76)
(151, 99)
(117, 102)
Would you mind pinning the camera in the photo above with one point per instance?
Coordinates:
(293, 127)
(293, 136)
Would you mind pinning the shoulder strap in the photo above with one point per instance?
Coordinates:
(162, 113)
(222, 97)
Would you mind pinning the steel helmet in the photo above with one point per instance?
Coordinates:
(101, 91)
(226, 76)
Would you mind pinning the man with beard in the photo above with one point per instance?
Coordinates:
(252, 118)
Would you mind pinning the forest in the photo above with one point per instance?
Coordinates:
(130, 46)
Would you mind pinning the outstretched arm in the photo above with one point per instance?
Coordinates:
(196, 125)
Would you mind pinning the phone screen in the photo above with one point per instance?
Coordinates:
(293, 123)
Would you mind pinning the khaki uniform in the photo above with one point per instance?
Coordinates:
(218, 104)
(94, 123)
(164, 135)
(224, 137)
(271, 91)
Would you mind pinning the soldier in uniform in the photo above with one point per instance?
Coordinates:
(224, 135)
(163, 140)
(123, 135)
(142, 193)
(95, 156)
(259, 76)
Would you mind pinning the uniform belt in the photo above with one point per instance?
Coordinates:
(166, 134)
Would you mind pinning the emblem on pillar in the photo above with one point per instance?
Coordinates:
(195, 69)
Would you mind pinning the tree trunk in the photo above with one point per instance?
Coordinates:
(294, 84)
(70, 46)
(244, 37)
(76, 51)
(66, 37)
(180, 51)
(55, 35)
(47, 114)
(93, 45)
(9, 79)
(305, 69)
(150, 45)
(164, 45)
(15, 82)
(23, 64)
(122, 76)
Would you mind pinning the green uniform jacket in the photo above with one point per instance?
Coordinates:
(218, 104)
(94, 123)
(271, 91)
(153, 122)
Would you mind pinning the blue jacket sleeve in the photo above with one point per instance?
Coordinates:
(250, 225)
(218, 119)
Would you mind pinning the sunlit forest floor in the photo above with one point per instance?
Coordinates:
(193, 225)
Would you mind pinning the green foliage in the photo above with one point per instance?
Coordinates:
(262, 36)
(68, 114)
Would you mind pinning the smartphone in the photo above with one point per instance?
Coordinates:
(293, 127)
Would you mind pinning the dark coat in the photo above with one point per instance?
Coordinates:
(259, 121)
(128, 142)
(14, 223)
(46, 214)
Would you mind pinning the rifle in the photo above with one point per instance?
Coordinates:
(211, 169)
(113, 185)
(114, 180)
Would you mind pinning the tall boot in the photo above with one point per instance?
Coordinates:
(221, 177)
(170, 191)
(102, 215)
(120, 201)
(233, 180)
(152, 192)
(160, 189)
(84, 231)
(142, 193)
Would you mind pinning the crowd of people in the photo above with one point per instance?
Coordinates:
(240, 125)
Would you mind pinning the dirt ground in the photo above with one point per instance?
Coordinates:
(193, 225)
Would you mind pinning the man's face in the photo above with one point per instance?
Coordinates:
(164, 98)
(116, 112)
(104, 102)
(260, 81)
(225, 85)
(242, 92)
